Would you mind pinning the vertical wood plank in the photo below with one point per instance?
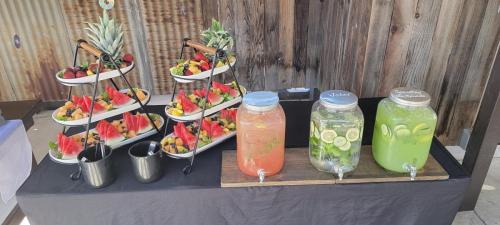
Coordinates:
(397, 47)
(478, 71)
(301, 18)
(354, 55)
(417, 57)
(271, 44)
(316, 23)
(250, 41)
(441, 47)
(448, 108)
(285, 43)
(378, 34)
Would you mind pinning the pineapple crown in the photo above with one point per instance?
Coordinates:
(107, 35)
(216, 37)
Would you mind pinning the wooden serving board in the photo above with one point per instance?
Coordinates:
(299, 171)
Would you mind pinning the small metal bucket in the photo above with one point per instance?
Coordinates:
(97, 171)
(146, 161)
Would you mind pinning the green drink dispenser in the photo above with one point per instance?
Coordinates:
(336, 132)
(404, 127)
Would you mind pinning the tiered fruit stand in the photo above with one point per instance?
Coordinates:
(216, 55)
(95, 79)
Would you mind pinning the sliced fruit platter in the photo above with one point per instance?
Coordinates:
(199, 68)
(214, 130)
(86, 73)
(115, 134)
(188, 107)
(109, 103)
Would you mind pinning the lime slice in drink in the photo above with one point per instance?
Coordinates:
(328, 135)
(352, 134)
(346, 146)
(400, 126)
(385, 130)
(421, 128)
(339, 141)
(312, 128)
(403, 132)
(316, 133)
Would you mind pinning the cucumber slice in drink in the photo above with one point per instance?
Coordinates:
(328, 136)
(316, 133)
(385, 130)
(403, 132)
(312, 128)
(339, 141)
(346, 146)
(352, 134)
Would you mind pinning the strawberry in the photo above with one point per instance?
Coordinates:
(204, 66)
(68, 74)
(199, 57)
(80, 74)
(128, 58)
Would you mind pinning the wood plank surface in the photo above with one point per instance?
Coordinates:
(299, 171)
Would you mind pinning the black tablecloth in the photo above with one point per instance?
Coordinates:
(50, 197)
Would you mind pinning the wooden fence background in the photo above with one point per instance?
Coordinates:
(445, 47)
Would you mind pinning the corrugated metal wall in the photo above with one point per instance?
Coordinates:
(443, 46)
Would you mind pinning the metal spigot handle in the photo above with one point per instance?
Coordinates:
(412, 169)
(262, 175)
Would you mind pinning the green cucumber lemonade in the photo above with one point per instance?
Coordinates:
(404, 127)
(336, 130)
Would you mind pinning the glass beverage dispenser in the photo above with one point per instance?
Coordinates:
(260, 134)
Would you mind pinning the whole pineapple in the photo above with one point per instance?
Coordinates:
(107, 35)
(216, 37)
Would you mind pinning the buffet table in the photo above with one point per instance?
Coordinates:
(50, 197)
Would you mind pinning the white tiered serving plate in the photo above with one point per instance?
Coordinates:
(210, 111)
(103, 115)
(117, 145)
(91, 78)
(202, 75)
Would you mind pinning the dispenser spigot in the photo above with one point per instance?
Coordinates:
(262, 175)
(412, 169)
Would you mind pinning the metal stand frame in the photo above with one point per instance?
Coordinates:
(81, 44)
(218, 54)
(484, 138)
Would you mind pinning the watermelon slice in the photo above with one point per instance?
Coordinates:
(200, 93)
(212, 128)
(234, 93)
(109, 133)
(85, 103)
(214, 98)
(228, 114)
(188, 106)
(142, 123)
(222, 87)
(216, 130)
(68, 146)
(118, 98)
(183, 133)
(130, 122)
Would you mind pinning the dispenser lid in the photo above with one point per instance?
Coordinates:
(338, 99)
(261, 98)
(410, 96)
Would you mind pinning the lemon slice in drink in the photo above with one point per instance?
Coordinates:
(352, 134)
(346, 146)
(328, 136)
(339, 141)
